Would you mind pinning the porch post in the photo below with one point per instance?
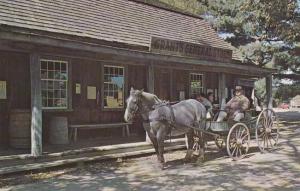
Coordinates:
(150, 81)
(36, 106)
(150, 84)
(269, 80)
(221, 89)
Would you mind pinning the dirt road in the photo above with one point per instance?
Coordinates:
(279, 170)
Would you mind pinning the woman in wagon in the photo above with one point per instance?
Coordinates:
(237, 106)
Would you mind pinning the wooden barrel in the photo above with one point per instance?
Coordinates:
(19, 129)
(58, 130)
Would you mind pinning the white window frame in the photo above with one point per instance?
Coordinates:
(106, 82)
(202, 88)
(48, 79)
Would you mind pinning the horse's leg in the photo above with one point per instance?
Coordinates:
(152, 136)
(202, 148)
(190, 140)
(161, 134)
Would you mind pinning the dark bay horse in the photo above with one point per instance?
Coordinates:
(161, 119)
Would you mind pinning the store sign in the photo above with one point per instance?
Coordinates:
(185, 49)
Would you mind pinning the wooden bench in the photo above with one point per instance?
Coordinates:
(73, 129)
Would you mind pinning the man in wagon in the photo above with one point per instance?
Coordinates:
(237, 106)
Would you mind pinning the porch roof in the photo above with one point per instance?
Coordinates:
(34, 40)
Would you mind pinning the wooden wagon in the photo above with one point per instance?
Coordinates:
(236, 136)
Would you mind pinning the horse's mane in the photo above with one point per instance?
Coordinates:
(151, 96)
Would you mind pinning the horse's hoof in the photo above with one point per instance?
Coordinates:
(187, 159)
(200, 160)
(162, 166)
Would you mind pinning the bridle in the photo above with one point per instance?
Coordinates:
(138, 108)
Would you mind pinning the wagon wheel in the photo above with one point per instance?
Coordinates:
(267, 131)
(220, 142)
(238, 141)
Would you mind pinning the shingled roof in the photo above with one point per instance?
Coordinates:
(124, 21)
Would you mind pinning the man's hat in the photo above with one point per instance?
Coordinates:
(238, 88)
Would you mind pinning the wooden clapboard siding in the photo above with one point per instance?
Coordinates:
(162, 83)
(14, 69)
(89, 73)
(211, 80)
(137, 78)
(180, 80)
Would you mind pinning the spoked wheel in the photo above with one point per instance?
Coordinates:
(238, 141)
(220, 142)
(267, 131)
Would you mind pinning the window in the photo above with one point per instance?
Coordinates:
(54, 76)
(196, 84)
(113, 87)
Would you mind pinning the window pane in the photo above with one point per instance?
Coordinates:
(43, 65)
(113, 86)
(63, 76)
(63, 102)
(63, 94)
(54, 76)
(51, 74)
(56, 85)
(57, 66)
(44, 74)
(57, 93)
(51, 66)
(50, 85)
(63, 85)
(44, 84)
(196, 84)
(44, 102)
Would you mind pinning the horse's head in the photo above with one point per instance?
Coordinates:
(133, 104)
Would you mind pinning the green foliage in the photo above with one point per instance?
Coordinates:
(264, 30)
(191, 6)
(260, 89)
(285, 92)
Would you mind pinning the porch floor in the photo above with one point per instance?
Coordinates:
(22, 163)
(80, 144)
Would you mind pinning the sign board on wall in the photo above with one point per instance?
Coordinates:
(185, 49)
(78, 88)
(3, 90)
(91, 92)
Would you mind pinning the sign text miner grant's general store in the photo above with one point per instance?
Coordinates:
(179, 48)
